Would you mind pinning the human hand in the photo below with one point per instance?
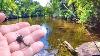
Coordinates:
(20, 39)
(2, 17)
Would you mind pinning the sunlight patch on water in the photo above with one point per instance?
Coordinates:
(44, 28)
(44, 51)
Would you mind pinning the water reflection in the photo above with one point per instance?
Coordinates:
(44, 51)
(47, 30)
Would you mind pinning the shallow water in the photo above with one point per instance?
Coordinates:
(62, 30)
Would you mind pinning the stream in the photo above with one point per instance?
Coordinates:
(57, 31)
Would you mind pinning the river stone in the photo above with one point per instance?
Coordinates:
(88, 49)
(47, 53)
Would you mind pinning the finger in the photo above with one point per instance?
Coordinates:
(22, 24)
(4, 49)
(10, 28)
(33, 49)
(33, 37)
(27, 30)
(2, 17)
(12, 36)
(29, 39)
(15, 46)
(5, 29)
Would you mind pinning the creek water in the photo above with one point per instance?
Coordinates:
(59, 30)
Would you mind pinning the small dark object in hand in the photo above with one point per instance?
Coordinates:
(20, 40)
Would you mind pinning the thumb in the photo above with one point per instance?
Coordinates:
(2, 17)
(4, 49)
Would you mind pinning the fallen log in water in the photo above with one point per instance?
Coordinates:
(70, 48)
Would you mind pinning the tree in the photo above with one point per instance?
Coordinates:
(84, 9)
(55, 7)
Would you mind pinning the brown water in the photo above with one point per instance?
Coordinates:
(62, 30)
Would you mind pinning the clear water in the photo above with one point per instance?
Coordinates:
(58, 31)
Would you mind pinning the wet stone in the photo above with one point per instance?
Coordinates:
(88, 49)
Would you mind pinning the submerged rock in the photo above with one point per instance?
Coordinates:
(86, 49)
(47, 53)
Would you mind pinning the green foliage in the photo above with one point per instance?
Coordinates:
(96, 4)
(70, 2)
(8, 5)
(68, 14)
(11, 5)
(55, 6)
(48, 11)
(84, 9)
(19, 7)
